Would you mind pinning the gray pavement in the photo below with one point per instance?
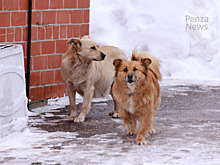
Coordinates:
(187, 132)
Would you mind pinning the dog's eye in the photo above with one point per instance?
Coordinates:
(125, 69)
(93, 48)
(135, 69)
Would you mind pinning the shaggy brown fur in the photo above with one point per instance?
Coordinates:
(88, 70)
(137, 91)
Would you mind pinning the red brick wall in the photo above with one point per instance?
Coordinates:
(53, 23)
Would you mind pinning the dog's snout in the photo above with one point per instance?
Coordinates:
(103, 56)
(130, 76)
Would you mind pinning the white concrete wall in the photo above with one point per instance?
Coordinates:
(13, 102)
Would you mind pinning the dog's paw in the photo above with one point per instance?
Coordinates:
(79, 119)
(111, 113)
(152, 131)
(131, 133)
(140, 141)
(72, 118)
(114, 114)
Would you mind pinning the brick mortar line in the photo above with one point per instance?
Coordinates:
(59, 32)
(11, 18)
(60, 9)
(13, 11)
(22, 32)
(43, 70)
(20, 26)
(17, 42)
(61, 39)
(42, 55)
(19, 4)
(77, 3)
(42, 17)
(48, 4)
(61, 24)
(45, 85)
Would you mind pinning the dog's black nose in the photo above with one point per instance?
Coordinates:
(103, 56)
(130, 76)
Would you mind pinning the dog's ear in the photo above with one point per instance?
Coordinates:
(75, 42)
(146, 61)
(117, 63)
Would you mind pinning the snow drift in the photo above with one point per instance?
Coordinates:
(160, 28)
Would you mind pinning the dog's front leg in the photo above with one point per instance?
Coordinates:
(129, 121)
(115, 112)
(72, 99)
(88, 94)
(145, 128)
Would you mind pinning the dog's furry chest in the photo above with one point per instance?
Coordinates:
(133, 102)
(130, 107)
(79, 73)
(99, 92)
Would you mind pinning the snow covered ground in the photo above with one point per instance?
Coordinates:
(160, 27)
(36, 146)
(186, 134)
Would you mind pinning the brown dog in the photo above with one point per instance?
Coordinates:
(89, 71)
(137, 91)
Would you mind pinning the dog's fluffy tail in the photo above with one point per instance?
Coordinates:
(155, 62)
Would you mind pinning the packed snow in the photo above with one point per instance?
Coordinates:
(35, 146)
(161, 27)
(175, 142)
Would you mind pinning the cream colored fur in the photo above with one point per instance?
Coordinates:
(86, 72)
